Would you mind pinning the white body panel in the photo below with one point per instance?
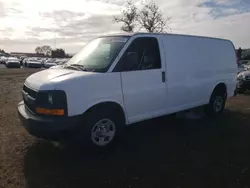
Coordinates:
(83, 89)
(144, 94)
(193, 67)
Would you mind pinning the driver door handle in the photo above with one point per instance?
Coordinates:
(163, 76)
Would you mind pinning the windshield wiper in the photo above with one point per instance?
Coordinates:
(75, 66)
(80, 67)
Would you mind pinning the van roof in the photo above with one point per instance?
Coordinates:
(146, 33)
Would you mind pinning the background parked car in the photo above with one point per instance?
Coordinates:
(37, 62)
(3, 60)
(243, 62)
(247, 66)
(241, 68)
(43, 60)
(25, 62)
(49, 63)
(243, 81)
(21, 59)
(33, 63)
(61, 63)
(13, 63)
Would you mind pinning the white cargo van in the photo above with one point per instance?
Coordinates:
(118, 80)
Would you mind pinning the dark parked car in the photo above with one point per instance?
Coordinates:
(33, 63)
(13, 63)
(243, 81)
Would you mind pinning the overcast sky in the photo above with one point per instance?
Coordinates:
(25, 24)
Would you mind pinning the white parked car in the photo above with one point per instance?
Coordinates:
(49, 64)
(118, 80)
(247, 66)
(243, 62)
(61, 64)
(12, 63)
(3, 60)
(241, 68)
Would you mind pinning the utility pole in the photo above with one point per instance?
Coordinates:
(55, 38)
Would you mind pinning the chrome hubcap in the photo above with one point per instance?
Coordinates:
(218, 103)
(103, 132)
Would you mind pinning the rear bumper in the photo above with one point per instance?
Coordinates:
(50, 128)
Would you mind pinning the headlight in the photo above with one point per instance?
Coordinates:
(52, 102)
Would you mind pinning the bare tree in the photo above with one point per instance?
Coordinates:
(151, 19)
(45, 50)
(38, 50)
(128, 17)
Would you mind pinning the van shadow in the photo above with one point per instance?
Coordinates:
(164, 152)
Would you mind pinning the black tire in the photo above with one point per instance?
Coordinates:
(216, 105)
(90, 120)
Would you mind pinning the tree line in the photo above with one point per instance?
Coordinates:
(48, 51)
(240, 54)
(2, 52)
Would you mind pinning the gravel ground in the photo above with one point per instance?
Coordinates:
(164, 152)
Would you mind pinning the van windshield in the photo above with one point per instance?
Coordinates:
(98, 54)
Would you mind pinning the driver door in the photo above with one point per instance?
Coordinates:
(143, 80)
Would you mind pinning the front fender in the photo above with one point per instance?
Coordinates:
(101, 101)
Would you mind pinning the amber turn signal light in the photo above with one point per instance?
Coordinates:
(55, 112)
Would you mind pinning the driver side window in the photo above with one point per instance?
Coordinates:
(142, 54)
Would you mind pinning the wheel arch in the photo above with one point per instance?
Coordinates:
(220, 87)
(103, 105)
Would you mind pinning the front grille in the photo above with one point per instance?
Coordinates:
(30, 92)
(29, 98)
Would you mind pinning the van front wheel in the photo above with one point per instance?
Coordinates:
(103, 132)
(216, 104)
(100, 129)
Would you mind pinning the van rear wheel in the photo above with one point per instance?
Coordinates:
(216, 104)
